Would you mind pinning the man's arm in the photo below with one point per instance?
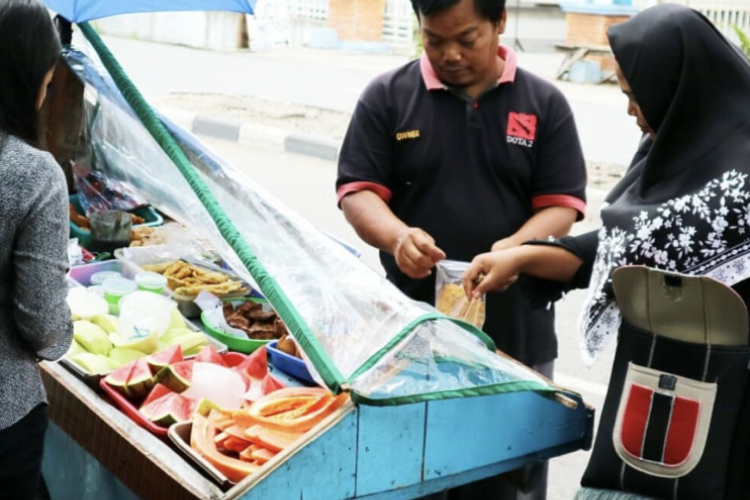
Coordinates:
(552, 221)
(415, 251)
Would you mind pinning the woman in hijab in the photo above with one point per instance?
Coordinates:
(684, 204)
(34, 318)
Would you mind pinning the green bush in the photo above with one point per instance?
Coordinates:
(744, 40)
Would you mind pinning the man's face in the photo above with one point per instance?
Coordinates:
(461, 46)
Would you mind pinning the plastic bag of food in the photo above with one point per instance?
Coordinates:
(97, 192)
(450, 298)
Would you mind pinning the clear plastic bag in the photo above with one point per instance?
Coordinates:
(98, 192)
(355, 327)
(450, 298)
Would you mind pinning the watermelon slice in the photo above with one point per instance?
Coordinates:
(119, 378)
(169, 409)
(209, 355)
(140, 381)
(270, 384)
(177, 376)
(164, 358)
(159, 391)
(256, 365)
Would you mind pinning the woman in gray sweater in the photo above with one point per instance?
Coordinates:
(34, 317)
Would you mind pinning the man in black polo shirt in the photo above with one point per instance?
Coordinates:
(458, 153)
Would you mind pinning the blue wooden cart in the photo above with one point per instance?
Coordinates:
(433, 406)
(396, 452)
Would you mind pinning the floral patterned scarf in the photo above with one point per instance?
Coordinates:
(684, 205)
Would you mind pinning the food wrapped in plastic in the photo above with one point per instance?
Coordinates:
(355, 329)
(450, 298)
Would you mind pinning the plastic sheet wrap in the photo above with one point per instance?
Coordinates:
(388, 348)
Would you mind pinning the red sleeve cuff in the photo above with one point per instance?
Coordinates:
(355, 187)
(559, 200)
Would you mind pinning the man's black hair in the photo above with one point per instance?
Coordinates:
(491, 10)
(29, 48)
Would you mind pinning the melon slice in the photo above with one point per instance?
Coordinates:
(270, 384)
(209, 355)
(169, 409)
(256, 365)
(140, 381)
(159, 391)
(118, 379)
(202, 441)
(167, 357)
(177, 376)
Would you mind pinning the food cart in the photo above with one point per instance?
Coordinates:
(430, 403)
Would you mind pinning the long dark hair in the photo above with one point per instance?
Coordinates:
(29, 48)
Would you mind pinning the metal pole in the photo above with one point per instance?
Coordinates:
(517, 44)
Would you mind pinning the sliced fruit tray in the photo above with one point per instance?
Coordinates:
(92, 379)
(155, 391)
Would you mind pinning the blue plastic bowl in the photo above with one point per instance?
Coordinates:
(290, 365)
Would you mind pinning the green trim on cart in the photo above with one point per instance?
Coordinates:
(268, 286)
(376, 357)
(485, 390)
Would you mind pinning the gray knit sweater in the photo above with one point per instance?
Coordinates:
(34, 317)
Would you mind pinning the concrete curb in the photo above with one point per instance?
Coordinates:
(250, 134)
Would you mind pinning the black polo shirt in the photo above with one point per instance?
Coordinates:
(469, 173)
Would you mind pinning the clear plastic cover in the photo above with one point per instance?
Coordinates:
(353, 312)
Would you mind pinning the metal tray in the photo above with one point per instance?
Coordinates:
(180, 436)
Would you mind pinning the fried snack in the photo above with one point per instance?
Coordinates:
(287, 346)
(254, 321)
(137, 220)
(186, 279)
(452, 301)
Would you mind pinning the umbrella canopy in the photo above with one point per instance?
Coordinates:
(79, 11)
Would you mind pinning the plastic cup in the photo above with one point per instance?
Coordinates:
(115, 289)
(151, 282)
(98, 279)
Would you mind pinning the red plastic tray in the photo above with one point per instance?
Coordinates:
(127, 407)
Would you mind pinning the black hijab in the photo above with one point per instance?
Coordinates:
(684, 205)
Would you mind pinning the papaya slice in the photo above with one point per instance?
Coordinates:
(295, 422)
(246, 454)
(274, 440)
(275, 407)
(202, 441)
(262, 455)
(236, 445)
(236, 431)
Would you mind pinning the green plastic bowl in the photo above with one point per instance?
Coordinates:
(245, 346)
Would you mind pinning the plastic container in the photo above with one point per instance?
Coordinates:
(131, 410)
(150, 215)
(151, 282)
(290, 365)
(115, 289)
(144, 256)
(237, 344)
(83, 275)
(99, 278)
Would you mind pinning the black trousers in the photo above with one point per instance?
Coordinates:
(21, 450)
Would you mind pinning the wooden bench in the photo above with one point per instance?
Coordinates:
(575, 53)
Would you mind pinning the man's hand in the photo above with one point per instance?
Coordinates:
(416, 253)
(495, 271)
